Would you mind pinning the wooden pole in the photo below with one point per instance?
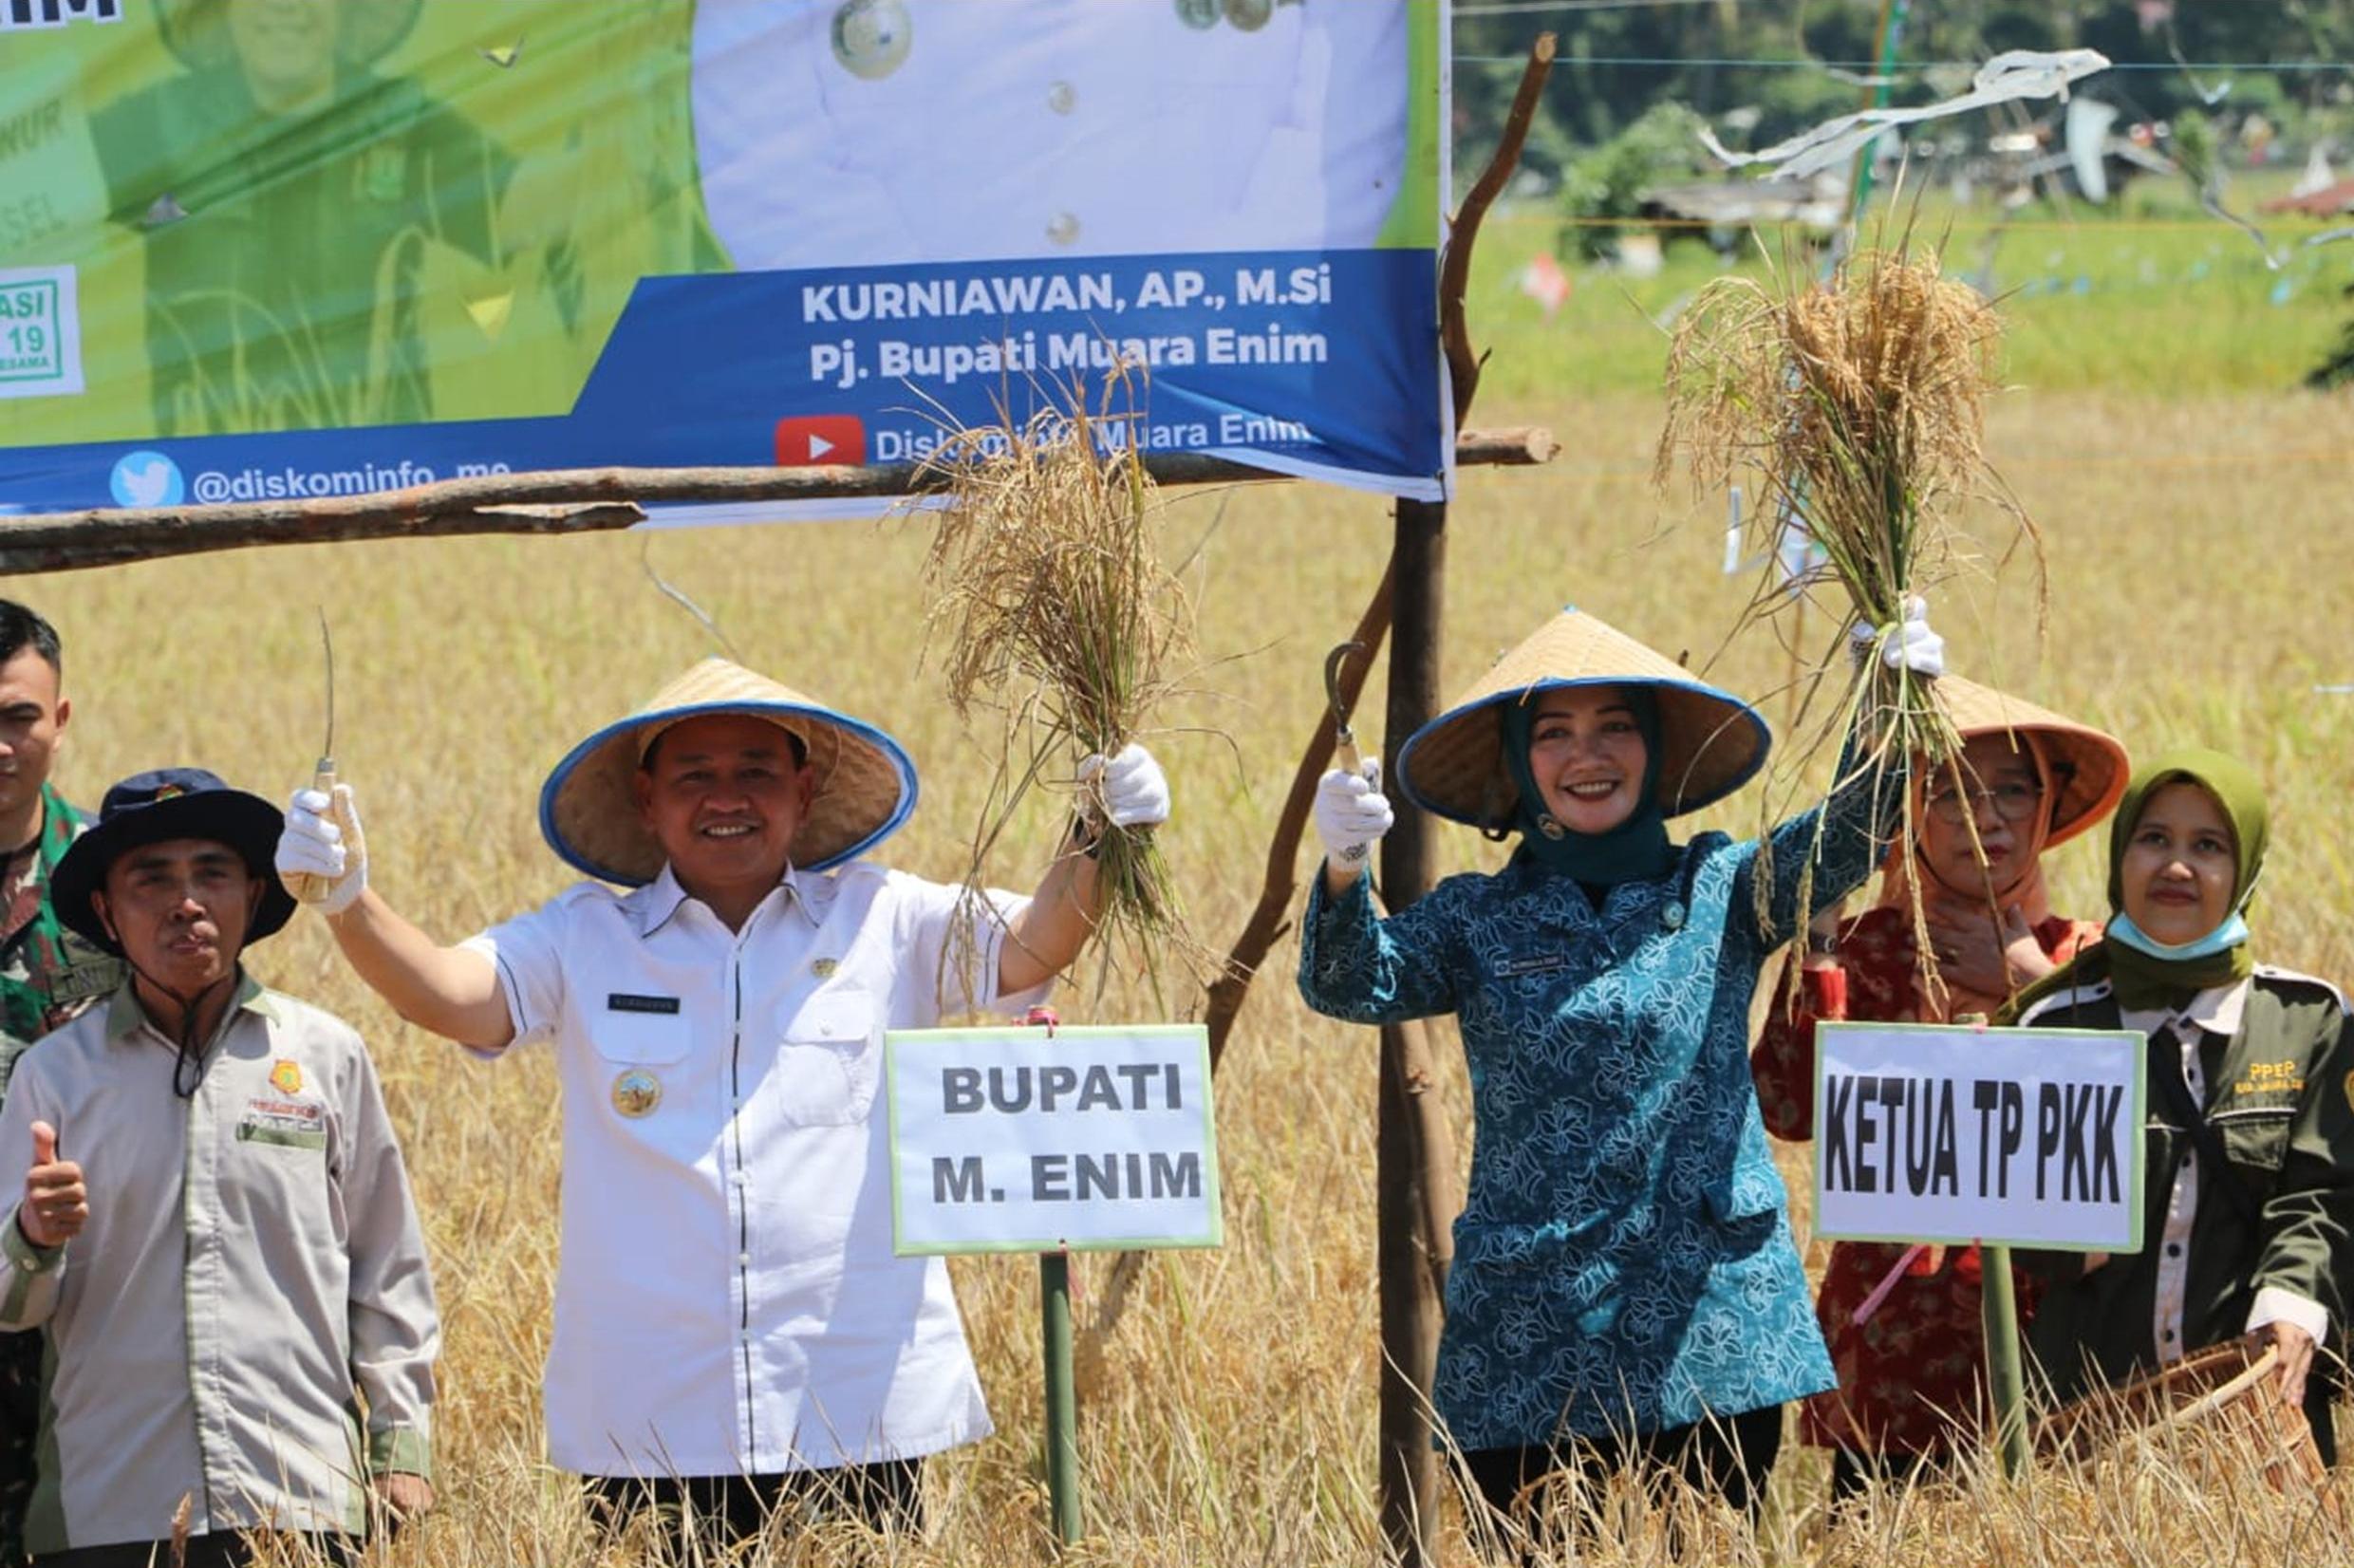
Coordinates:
(1411, 1309)
(574, 500)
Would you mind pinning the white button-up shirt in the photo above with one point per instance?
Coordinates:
(727, 1301)
(2213, 1011)
(1111, 129)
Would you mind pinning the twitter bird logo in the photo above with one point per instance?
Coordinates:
(148, 478)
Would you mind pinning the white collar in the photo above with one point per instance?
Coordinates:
(2216, 1010)
(653, 906)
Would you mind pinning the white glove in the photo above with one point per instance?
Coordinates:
(322, 840)
(1908, 646)
(1134, 790)
(1351, 814)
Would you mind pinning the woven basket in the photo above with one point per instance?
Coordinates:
(2217, 1408)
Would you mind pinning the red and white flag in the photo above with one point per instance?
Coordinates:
(1544, 281)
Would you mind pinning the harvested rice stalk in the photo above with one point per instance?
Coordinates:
(1857, 406)
(1049, 604)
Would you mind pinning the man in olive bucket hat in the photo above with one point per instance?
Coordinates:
(732, 1330)
(216, 1232)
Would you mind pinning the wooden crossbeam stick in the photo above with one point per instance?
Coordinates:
(580, 500)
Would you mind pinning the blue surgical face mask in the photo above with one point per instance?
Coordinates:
(2231, 934)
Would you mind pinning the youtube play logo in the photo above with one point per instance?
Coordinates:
(806, 440)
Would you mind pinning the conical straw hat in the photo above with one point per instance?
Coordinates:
(866, 782)
(1710, 742)
(2090, 767)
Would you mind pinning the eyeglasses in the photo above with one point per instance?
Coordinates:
(2012, 801)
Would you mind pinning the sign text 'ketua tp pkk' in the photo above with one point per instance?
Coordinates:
(1032, 1140)
(2025, 1137)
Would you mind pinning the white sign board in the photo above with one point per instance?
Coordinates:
(1030, 1140)
(2017, 1137)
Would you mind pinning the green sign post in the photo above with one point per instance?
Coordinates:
(1047, 1140)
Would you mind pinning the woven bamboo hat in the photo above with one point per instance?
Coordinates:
(2090, 767)
(1710, 742)
(866, 781)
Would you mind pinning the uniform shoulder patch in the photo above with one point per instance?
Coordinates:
(2075, 996)
(2293, 977)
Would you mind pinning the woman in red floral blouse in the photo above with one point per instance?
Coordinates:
(1903, 1323)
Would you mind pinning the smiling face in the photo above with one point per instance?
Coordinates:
(180, 909)
(2180, 870)
(2001, 792)
(723, 795)
(1586, 752)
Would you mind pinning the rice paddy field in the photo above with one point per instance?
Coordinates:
(2198, 531)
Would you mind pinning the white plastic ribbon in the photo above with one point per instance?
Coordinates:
(2009, 75)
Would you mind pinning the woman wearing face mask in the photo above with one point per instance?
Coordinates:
(2249, 1181)
(1903, 1323)
(1625, 1292)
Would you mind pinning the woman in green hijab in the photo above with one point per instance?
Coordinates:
(2250, 1184)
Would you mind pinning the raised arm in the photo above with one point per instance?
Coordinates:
(1841, 840)
(1050, 931)
(1844, 837)
(1356, 965)
(453, 991)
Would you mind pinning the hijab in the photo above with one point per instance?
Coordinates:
(2144, 971)
(2146, 974)
(2027, 890)
(1635, 851)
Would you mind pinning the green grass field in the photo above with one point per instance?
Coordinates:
(2197, 519)
(2162, 300)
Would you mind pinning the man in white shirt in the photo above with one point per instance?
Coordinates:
(732, 1330)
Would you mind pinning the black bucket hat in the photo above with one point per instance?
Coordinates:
(171, 803)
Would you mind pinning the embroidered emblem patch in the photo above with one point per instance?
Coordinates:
(636, 1092)
(286, 1077)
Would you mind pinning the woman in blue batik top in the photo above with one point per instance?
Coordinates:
(1625, 1292)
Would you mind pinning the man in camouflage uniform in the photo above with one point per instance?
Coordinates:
(47, 974)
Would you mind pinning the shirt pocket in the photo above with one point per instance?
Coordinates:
(827, 1059)
(266, 1136)
(2256, 1141)
(650, 1038)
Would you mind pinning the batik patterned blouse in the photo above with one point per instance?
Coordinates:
(1624, 1259)
(1912, 1375)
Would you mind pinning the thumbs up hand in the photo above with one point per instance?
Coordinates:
(56, 1204)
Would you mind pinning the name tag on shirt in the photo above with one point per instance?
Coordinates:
(1539, 963)
(624, 1001)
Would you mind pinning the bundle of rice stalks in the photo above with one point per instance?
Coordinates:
(1856, 404)
(1049, 606)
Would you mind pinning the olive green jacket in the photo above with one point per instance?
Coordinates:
(2280, 1097)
